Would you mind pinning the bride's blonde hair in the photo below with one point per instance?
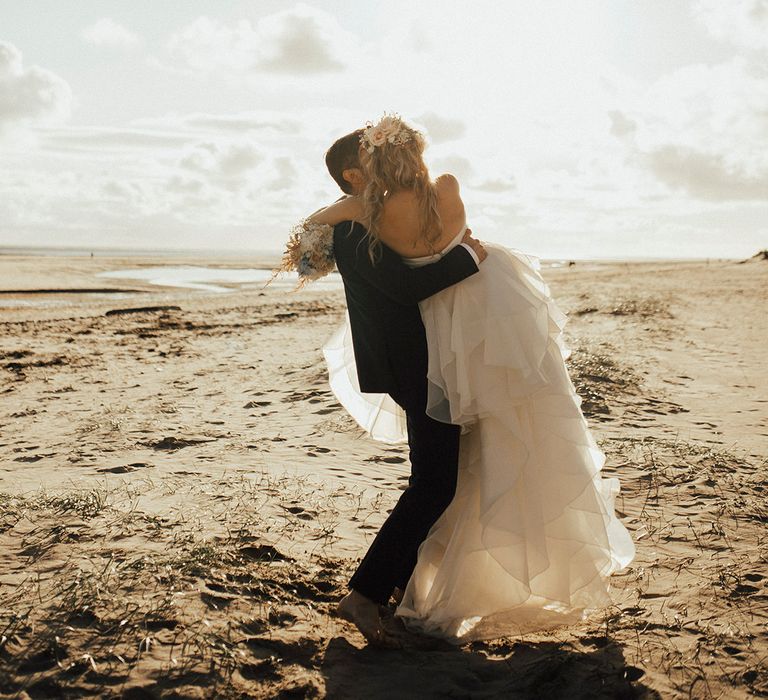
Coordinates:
(396, 164)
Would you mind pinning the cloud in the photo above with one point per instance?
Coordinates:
(743, 23)
(100, 139)
(495, 185)
(114, 189)
(185, 185)
(621, 125)
(238, 159)
(701, 130)
(107, 32)
(10, 60)
(226, 165)
(457, 165)
(441, 129)
(30, 95)
(240, 123)
(285, 174)
(707, 175)
(299, 41)
(207, 45)
(237, 122)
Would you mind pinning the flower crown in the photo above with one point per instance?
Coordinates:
(390, 129)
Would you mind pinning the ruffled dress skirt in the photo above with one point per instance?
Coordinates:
(531, 536)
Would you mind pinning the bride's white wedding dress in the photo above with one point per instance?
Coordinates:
(531, 536)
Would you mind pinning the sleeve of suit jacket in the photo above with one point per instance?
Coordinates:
(390, 274)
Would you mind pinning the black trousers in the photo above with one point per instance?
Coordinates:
(434, 454)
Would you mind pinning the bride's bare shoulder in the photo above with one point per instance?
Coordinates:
(449, 196)
(447, 184)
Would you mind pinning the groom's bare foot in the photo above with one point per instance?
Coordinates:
(364, 614)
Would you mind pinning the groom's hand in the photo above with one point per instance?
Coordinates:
(475, 245)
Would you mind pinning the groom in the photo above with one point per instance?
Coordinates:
(390, 349)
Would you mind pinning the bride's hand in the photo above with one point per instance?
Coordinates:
(473, 243)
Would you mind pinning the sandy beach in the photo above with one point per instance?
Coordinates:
(182, 499)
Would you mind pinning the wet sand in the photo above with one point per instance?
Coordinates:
(182, 499)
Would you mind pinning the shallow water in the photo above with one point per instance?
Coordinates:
(204, 278)
(38, 301)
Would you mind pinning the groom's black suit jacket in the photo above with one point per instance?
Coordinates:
(382, 298)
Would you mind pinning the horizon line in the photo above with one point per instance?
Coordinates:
(221, 252)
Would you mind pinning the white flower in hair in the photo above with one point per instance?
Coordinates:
(389, 129)
(390, 125)
(376, 136)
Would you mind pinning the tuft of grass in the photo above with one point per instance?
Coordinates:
(599, 378)
(644, 308)
(87, 503)
(196, 588)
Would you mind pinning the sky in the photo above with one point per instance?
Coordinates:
(590, 129)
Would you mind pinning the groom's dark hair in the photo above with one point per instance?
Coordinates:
(343, 155)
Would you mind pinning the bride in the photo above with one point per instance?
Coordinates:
(530, 537)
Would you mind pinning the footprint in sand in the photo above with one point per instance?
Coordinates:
(171, 442)
(733, 651)
(160, 624)
(302, 513)
(743, 589)
(215, 602)
(387, 460)
(42, 661)
(263, 552)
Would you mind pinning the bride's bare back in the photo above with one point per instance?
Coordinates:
(400, 228)
(400, 225)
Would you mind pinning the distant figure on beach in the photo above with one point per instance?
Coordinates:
(506, 525)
